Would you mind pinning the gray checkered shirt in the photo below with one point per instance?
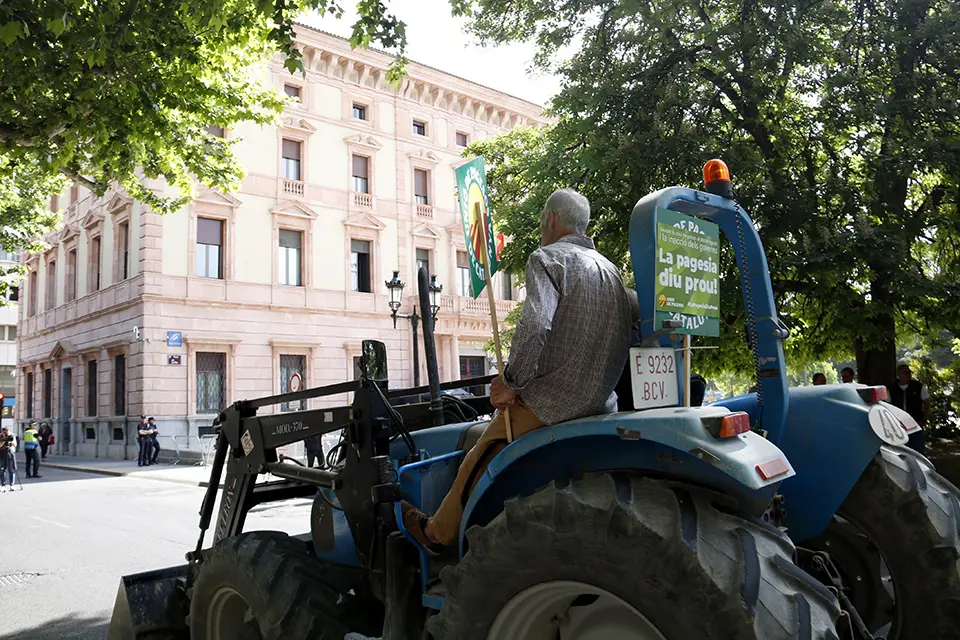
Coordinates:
(573, 338)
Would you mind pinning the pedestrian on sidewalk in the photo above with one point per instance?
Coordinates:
(8, 459)
(154, 445)
(45, 434)
(31, 450)
(143, 442)
(913, 397)
(314, 448)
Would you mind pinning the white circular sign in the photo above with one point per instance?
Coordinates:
(296, 382)
(886, 425)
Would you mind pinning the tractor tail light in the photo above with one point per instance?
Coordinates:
(873, 395)
(716, 178)
(728, 426)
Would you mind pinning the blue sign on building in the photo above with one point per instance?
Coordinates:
(174, 338)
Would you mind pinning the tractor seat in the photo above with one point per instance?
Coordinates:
(470, 435)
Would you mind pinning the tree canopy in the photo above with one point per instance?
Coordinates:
(113, 91)
(840, 122)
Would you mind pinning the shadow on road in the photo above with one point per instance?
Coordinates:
(65, 628)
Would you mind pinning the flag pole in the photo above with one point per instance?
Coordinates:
(493, 318)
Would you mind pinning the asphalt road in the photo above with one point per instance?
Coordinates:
(66, 539)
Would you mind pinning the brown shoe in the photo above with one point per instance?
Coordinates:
(415, 522)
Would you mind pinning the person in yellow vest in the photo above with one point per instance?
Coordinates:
(31, 449)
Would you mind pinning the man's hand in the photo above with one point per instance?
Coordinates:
(501, 395)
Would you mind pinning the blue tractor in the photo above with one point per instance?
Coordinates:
(668, 522)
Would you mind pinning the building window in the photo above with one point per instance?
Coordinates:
(30, 395)
(506, 281)
(54, 203)
(215, 130)
(92, 387)
(32, 294)
(71, 286)
(74, 193)
(361, 168)
(291, 243)
(93, 278)
(462, 139)
(47, 393)
(359, 111)
(292, 90)
(51, 284)
(420, 178)
(473, 367)
(13, 294)
(419, 128)
(209, 248)
(423, 260)
(290, 365)
(291, 159)
(8, 256)
(120, 385)
(123, 249)
(357, 369)
(463, 274)
(360, 265)
(11, 332)
(211, 382)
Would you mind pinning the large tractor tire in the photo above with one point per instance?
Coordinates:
(622, 556)
(263, 586)
(896, 544)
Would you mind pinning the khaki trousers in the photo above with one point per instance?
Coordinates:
(444, 526)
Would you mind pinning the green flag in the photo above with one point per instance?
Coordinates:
(475, 214)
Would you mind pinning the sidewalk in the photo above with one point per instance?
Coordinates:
(181, 473)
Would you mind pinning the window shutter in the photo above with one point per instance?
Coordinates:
(420, 182)
(290, 239)
(462, 260)
(291, 149)
(209, 231)
(360, 167)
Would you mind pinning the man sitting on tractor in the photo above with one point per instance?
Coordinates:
(567, 353)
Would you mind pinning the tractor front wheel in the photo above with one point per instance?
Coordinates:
(896, 543)
(622, 556)
(263, 586)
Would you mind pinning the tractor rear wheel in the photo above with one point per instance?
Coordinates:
(896, 543)
(263, 586)
(615, 555)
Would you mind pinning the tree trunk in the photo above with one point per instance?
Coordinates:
(877, 356)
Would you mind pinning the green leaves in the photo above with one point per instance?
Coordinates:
(825, 114)
(10, 32)
(120, 91)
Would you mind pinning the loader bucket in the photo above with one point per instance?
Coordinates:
(152, 605)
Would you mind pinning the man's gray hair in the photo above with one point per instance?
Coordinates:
(571, 207)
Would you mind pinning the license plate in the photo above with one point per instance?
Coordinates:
(654, 376)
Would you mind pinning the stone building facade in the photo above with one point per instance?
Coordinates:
(129, 312)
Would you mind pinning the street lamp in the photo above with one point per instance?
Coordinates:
(435, 291)
(395, 287)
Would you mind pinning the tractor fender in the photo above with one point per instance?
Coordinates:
(829, 441)
(670, 442)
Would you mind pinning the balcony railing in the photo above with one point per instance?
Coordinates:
(455, 305)
(291, 187)
(425, 211)
(364, 200)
